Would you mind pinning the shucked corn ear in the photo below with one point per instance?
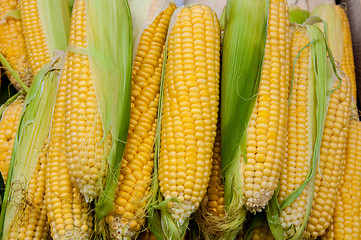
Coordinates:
(267, 127)
(67, 210)
(347, 217)
(332, 159)
(98, 98)
(315, 160)
(8, 126)
(12, 43)
(128, 215)
(23, 211)
(85, 151)
(301, 127)
(255, 78)
(189, 99)
(333, 146)
(45, 27)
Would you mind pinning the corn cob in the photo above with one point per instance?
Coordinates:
(190, 107)
(333, 147)
(346, 220)
(67, 210)
(12, 43)
(347, 62)
(133, 188)
(256, 80)
(267, 128)
(300, 149)
(300, 141)
(8, 126)
(83, 127)
(98, 99)
(35, 39)
(332, 160)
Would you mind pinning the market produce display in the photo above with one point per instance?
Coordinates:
(180, 120)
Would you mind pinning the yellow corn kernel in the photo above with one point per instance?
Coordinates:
(268, 124)
(135, 178)
(190, 107)
(12, 43)
(8, 126)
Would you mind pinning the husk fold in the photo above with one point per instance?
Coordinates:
(33, 130)
(298, 15)
(324, 71)
(243, 50)
(334, 28)
(109, 47)
(55, 20)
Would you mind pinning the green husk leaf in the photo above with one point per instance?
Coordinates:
(71, 4)
(14, 73)
(33, 130)
(241, 67)
(243, 51)
(256, 221)
(2, 189)
(323, 70)
(109, 41)
(327, 13)
(55, 20)
(14, 14)
(272, 214)
(298, 15)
